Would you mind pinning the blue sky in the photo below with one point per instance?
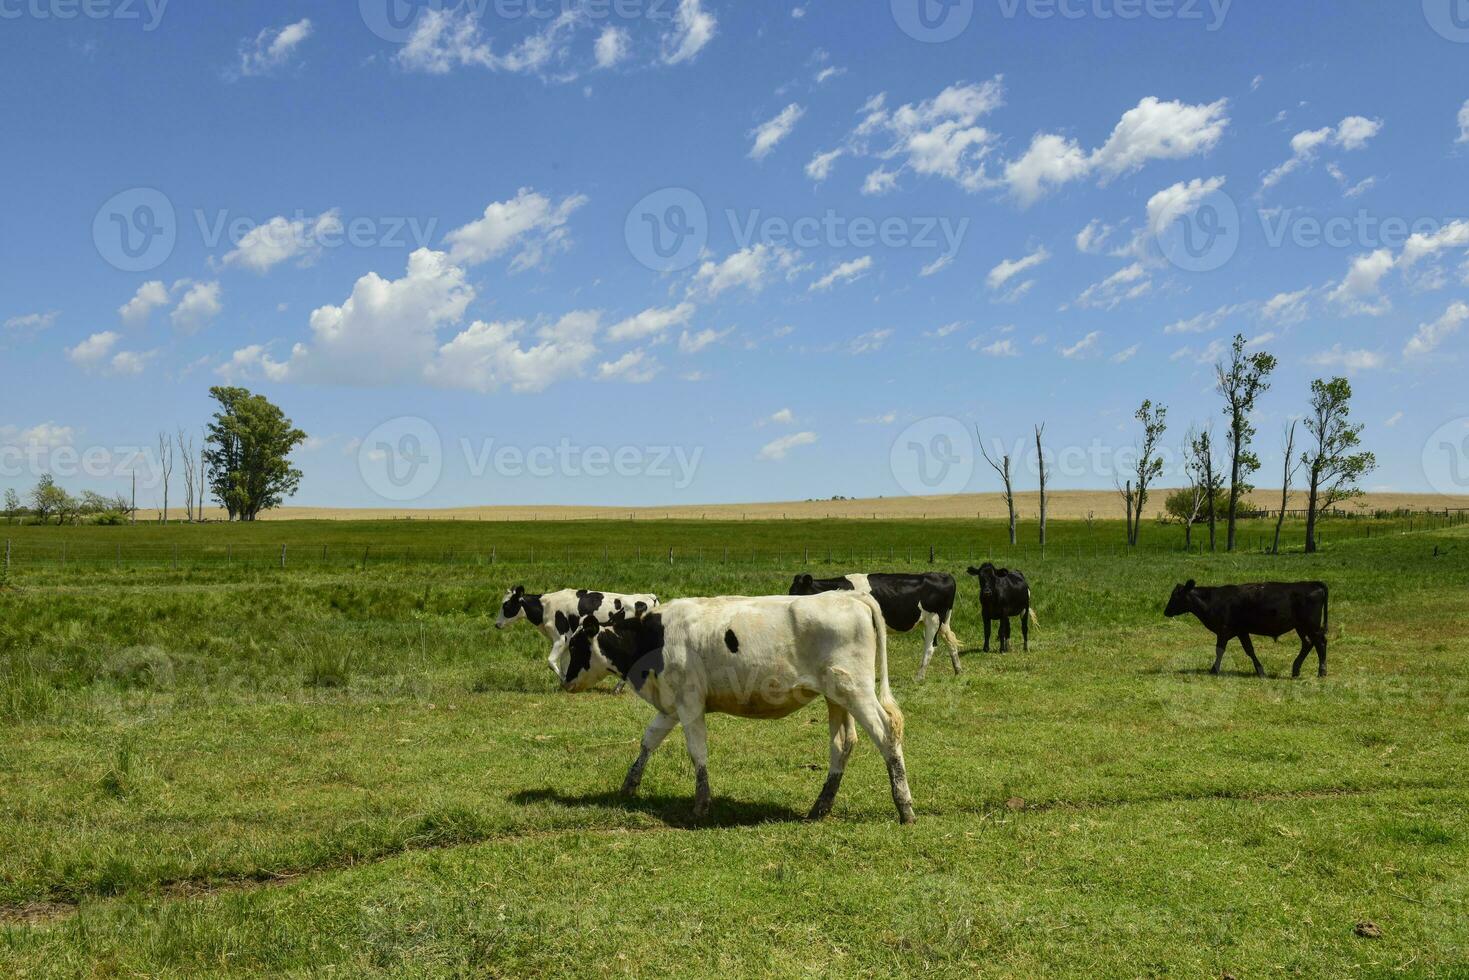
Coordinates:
(433, 243)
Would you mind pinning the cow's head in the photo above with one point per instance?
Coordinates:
(986, 574)
(804, 585)
(1178, 602)
(511, 607)
(576, 659)
(634, 605)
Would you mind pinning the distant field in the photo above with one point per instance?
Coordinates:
(342, 768)
(1063, 505)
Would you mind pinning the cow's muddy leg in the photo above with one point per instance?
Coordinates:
(930, 633)
(1219, 654)
(653, 737)
(843, 737)
(1306, 642)
(879, 727)
(696, 737)
(1244, 641)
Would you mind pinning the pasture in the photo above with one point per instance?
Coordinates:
(211, 764)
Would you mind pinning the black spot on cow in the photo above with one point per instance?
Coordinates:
(732, 641)
(634, 647)
(587, 603)
(564, 623)
(519, 601)
(580, 647)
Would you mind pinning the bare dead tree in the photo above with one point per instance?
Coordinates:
(203, 480)
(165, 467)
(186, 452)
(1040, 462)
(1128, 497)
(1291, 466)
(1149, 463)
(1002, 468)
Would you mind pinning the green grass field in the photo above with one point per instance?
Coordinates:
(227, 768)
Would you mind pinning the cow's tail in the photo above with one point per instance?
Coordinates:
(1030, 609)
(1326, 610)
(884, 689)
(948, 633)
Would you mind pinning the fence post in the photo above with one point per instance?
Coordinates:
(283, 556)
(229, 555)
(7, 558)
(670, 555)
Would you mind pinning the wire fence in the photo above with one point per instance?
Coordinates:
(34, 552)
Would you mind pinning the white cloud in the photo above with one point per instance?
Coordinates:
(1360, 291)
(488, 356)
(1287, 308)
(693, 28)
(1010, 268)
(1352, 133)
(150, 296)
(1463, 124)
(1430, 335)
(887, 418)
(130, 362)
(1350, 361)
(844, 273)
(828, 73)
(1128, 283)
(783, 417)
(772, 131)
(612, 47)
(93, 350)
(634, 367)
(40, 438)
(30, 323)
(692, 343)
(271, 49)
(945, 330)
(265, 246)
(529, 221)
(1093, 237)
(1001, 348)
(1204, 322)
(1392, 420)
(1420, 245)
(1153, 130)
(749, 268)
(653, 322)
(868, 342)
(936, 137)
(780, 448)
(1085, 347)
(201, 303)
(937, 265)
(1179, 201)
(820, 166)
(1123, 356)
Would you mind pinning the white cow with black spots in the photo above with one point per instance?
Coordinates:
(754, 658)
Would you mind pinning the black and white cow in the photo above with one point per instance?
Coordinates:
(1270, 609)
(754, 658)
(1004, 592)
(557, 613)
(906, 601)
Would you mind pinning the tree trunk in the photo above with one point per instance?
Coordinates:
(1041, 463)
(1234, 451)
(1311, 513)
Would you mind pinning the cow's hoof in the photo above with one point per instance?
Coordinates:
(1295, 675)
(920, 678)
(701, 809)
(1321, 673)
(820, 811)
(630, 788)
(905, 816)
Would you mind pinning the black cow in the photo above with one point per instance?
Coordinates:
(1003, 592)
(906, 600)
(1270, 609)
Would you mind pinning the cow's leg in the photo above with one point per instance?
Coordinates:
(1244, 641)
(880, 728)
(930, 632)
(696, 737)
(951, 640)
(1295, 668)
(987, 622)
(1004, 634)
(1321, 654)
(1219, 646)
(653, 737)
(1025, 628)
(843, 737)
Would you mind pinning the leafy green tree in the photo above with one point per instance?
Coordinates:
(48, 500)
(12, 504)
(247, 455)
(1149, 467)
(1333, 467)
(1208, 482)
(1241, 379)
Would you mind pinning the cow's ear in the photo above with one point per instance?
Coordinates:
(518, 591)
(1188, 586)
(640, 608)
(805, 579)
(973, 570)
